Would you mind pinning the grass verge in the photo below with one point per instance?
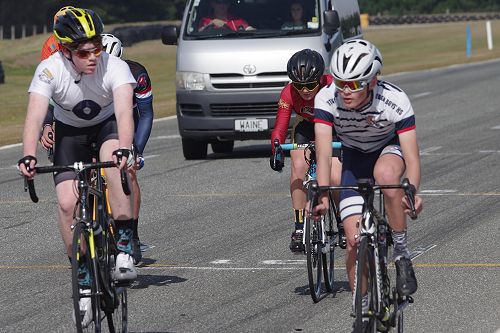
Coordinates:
(404, 48)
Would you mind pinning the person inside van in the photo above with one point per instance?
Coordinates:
(305, 69)
(221, 18)
(297, 21)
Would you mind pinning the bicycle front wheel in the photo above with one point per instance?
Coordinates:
(365, 294)
(329, 246)
(86, 299)
(117, 320)
(314, 257)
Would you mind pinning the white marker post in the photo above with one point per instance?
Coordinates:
(489, 35)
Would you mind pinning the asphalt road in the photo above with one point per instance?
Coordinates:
(219, 231)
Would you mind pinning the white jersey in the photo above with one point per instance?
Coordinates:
(81, 100)
(370, 128)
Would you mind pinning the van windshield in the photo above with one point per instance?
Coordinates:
(209, 19)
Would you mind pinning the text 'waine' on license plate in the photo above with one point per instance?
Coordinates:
(250, 125)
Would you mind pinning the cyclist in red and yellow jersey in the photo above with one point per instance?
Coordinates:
(305, 68)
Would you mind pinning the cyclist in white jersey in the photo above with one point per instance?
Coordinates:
(92, 94)
(374, 120)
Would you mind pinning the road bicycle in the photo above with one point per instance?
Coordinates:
(94, 247)
(385, 306)
(323, 235)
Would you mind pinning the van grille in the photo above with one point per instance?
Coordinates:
(191, 109)
(238, 81)
(246, 109)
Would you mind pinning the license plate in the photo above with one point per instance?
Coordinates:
(250, 125)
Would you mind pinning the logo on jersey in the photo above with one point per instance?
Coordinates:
(307, 110)
(142, 83)
(87, 109)
(283, 105)
(46, 76)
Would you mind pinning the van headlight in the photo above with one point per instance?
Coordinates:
(190, 80)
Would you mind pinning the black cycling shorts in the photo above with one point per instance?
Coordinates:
(78, 144)
(303, 132)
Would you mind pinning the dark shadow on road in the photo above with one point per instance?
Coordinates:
(144, 281)
(252, 151)
(338, 287)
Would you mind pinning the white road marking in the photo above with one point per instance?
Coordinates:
(10, 146)
(164, 137)
(427, 93)
(429, 150)
(419, 250)
(221, 261)
(438, 191)
(496, 127)
(284, 262)
(224, 268)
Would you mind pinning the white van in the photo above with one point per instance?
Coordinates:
(229, 79)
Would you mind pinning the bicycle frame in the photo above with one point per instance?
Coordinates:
(310, 176)
(373, 226)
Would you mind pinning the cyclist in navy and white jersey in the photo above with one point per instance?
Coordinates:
(143, 120)
(92, 94)
(374, 120)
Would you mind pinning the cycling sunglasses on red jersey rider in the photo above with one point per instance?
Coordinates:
(308, 85)
(85, 54)
(353, 86)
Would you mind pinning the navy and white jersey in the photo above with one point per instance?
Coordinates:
(143, 89)
(388, 114)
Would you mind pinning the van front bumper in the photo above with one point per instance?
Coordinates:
(210, 116)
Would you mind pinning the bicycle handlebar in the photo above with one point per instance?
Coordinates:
(29, 184)
(296, 146)
(365, 186)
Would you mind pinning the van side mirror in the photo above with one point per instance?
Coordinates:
(331, 22)
(170, 34)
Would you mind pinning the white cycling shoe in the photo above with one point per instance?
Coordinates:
(125, 270)
(85, 309)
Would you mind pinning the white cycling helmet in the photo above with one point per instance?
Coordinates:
(112, 45)
(357, 59)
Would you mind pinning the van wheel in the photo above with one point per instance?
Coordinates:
(193, 149)
(222, 146)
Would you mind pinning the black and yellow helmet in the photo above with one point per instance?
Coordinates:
(77, 25)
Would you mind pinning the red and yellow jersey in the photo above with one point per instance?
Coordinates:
(289, 101)
(50, 47)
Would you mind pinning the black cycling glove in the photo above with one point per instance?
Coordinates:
(277, 159)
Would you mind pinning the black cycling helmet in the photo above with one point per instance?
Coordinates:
(305, 66)
(77, 25)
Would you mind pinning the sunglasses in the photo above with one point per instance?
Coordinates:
(299, 86)
(85, 54)
(353, 86)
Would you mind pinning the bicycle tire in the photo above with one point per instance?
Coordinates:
(399, 323)
(117, 314)
(314, 257)
(330, 244)
(365, 261)
(79, 252)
